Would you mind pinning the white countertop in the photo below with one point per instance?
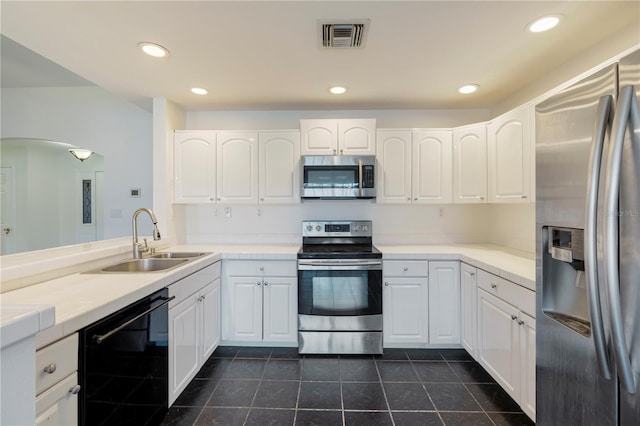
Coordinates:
(18, 322)
(80, 299)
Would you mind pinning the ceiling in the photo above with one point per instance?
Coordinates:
(266, 55)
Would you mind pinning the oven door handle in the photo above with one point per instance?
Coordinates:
(102, 337)
(337, 265)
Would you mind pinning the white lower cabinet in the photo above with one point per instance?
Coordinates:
(506, 337)
(57, 383)
(260, 302)
(194, 326)
(405, 304)
(468, 324)
(444, 302)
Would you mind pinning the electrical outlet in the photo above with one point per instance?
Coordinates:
(227, 212)
(441, 212)
(259, 211)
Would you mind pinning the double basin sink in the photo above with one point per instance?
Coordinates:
(155, 263)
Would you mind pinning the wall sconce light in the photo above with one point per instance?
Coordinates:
(80, 153)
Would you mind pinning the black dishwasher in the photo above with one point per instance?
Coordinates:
(123, 365)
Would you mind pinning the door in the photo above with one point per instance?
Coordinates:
(245, 308)
(237, 168)
(468, 291)
(629, 226)
(393, 154)
(444, 302)
(431, 168)
(319, 137)
(183, 345)
(527, 364)
(280, 318)
(7, 210)
(499, 341)
(279, 167)
(406, 310)
(509, 157)
(209, 307)
(470, 164)
(194, 159)
(357, 136)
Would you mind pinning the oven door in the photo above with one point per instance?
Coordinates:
(340, 295)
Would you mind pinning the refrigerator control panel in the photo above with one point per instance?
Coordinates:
(566, 244)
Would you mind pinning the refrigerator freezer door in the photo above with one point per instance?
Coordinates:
(629, 240)
(570, 388)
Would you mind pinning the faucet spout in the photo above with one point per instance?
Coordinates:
(138, 248)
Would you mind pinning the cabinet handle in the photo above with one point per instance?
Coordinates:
(482, 198)
(406, 268)
(520, 322)
(203, 297)
(266, 283)
(50, 369)
(473, 274)
(415, 199)
(524, 196)
(75, 390)
(262, 269)
(386, 283)
(408, 198)
(211, 199)
(513, 317)
(334, 152)
(494, 286)
(259, 282)
(341, 151)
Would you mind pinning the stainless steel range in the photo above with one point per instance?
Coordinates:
(339, 289)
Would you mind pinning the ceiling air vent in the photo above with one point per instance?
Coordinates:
(344, 34)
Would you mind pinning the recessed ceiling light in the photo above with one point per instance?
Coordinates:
(544, 24)
(469, 88)
(337, 90)
(199, 91)
(153, 49)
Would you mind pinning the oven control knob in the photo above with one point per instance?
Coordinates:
(365, 228)
(309, 227)
(318, 228)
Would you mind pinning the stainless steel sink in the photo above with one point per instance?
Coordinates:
(142, 265)
(178, 255)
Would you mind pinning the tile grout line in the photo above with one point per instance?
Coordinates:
(425, 389)
(384, 392)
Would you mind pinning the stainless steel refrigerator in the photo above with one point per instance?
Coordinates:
(588, 250)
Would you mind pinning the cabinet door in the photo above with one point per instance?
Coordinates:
(319, 137)
(406, 310)
(237, 168)
(393, 154)
(210, 319)
(280, 304)
(279, 167)
(509, 157)
(431, 168)
(470, 164)
(527, 364)
(357, 136)
(183, 345)
(498, 341)
(244, 309)
(194, 159)
(58, 405)
(468, 291)
(444, 302)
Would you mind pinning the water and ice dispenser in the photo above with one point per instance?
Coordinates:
(564, 292)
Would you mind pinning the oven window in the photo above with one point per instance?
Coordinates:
(339, 293)
(331, 177)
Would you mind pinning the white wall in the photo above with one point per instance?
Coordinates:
(90, 117)
(512, 226)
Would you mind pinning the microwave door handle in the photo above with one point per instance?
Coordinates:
(359, 178)
(603, 119)
(626, 109)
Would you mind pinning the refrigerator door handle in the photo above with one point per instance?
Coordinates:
(603, 119)
(626, 109)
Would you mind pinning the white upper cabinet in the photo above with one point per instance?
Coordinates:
(279, 167)
(431, 168)
(237, 168)
(470, 164)
(393, 153)
(194, 167)
(338, 136)
(509, 157)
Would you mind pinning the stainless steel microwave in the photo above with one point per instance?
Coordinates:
(338, 176)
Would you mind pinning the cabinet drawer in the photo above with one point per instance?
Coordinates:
(190, 284)
(252, 268)
(60, 359)
(58, 405)
(524, 299)
(405, 268)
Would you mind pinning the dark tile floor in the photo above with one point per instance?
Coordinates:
(276, 386)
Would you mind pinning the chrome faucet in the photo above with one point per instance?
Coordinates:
(139, 248)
